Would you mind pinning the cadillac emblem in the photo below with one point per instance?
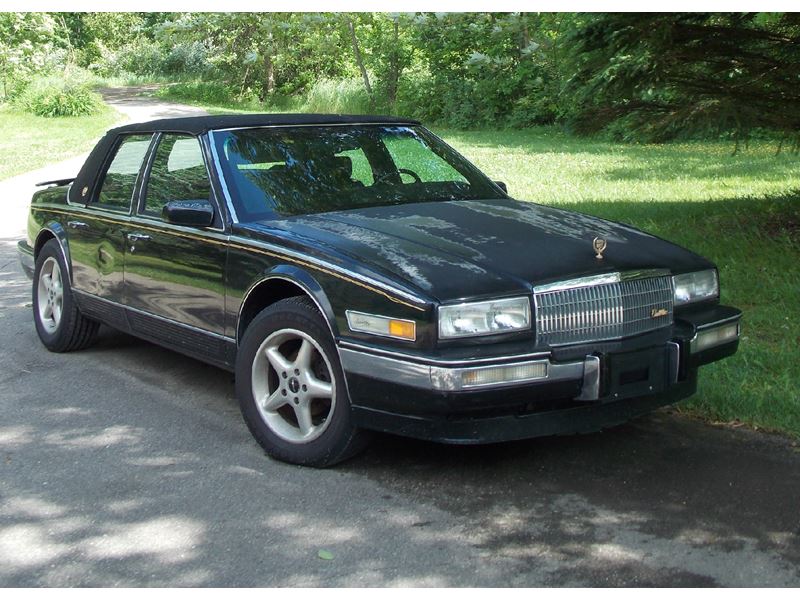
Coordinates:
(85, 191)
(599, 246)
(659, 312)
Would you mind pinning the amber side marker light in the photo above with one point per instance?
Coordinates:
(379, 325)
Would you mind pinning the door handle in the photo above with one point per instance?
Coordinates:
(77, 225)
(138, 237)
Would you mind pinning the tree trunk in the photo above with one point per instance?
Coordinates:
(360, 62)
(394, 67)
(269, 72)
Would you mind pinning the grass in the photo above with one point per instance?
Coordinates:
(30, 142)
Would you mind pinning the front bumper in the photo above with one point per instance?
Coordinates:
(522, 396)
(25, 253)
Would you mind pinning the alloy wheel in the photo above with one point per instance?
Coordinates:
(293, 386)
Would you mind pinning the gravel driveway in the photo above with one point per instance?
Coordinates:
(128, 465)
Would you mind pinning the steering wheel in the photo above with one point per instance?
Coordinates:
(409, 172)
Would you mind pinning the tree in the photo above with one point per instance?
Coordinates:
(26, 44)
(664, 75)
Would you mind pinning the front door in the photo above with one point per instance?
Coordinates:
(175, 272)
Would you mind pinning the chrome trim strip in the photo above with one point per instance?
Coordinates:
(299, 284)
(284, 126)
(591, 280)
(437, 362)
(152, 222)
(221, 176)
(64, 253)
(280, 252)
(590, 390)
(333, 267)
(386, 369)
(386, 335)
(724, 321)
(674, 358)
(158, 317)
(428, 376)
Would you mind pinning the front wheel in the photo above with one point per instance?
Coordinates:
(291, 387)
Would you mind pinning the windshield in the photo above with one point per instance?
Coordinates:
(305, 170)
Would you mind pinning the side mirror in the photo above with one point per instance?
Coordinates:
(194, 213)
(502, 185)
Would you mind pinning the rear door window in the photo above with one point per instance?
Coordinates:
(119, 180)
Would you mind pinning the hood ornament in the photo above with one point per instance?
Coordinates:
(599, 246)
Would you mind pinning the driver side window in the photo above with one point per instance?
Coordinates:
(178, 172)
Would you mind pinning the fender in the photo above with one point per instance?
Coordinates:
(55, 228)
(304, 281)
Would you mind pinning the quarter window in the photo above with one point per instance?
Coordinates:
(119, 180)
(178, 173)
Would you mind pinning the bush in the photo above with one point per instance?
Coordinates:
(337, 96)
(58, 97)
(203, 92)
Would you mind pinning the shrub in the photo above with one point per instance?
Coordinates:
(58, 97)
(203, 92)
(337, 96)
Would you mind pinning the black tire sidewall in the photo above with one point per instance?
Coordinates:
(333, 444)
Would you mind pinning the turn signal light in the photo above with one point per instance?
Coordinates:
(383, 326)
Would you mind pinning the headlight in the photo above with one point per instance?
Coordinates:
(693, 287)
(484, 318)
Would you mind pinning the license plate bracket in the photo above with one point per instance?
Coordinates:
(638, 373)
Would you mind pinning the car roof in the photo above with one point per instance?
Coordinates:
(198, 125)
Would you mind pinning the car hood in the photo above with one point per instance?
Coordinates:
(464, 249)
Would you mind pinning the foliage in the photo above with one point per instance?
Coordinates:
(199, 92)
(58, 97)
(650, 76)
(667, 74)
(26, 48)
(337, 96)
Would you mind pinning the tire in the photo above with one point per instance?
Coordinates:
(291, 387)
(59, 322)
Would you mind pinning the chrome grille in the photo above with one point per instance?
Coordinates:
(603, 308)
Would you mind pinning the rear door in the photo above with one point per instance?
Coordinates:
(97, 234)
(175, 272)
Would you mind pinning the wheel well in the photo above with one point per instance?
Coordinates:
(44, 237)
(263, 295)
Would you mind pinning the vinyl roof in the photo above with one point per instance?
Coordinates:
(198, 125)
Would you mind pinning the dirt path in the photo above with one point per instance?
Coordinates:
(15, 192)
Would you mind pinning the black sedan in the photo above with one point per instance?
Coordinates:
(356, 273)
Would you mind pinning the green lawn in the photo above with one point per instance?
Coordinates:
(30, 142)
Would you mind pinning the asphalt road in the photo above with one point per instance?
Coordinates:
(129, 465)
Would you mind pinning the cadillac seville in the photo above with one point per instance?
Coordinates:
(357, 274)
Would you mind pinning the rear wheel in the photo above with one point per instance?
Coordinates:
(291, 387)
(59, 321)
